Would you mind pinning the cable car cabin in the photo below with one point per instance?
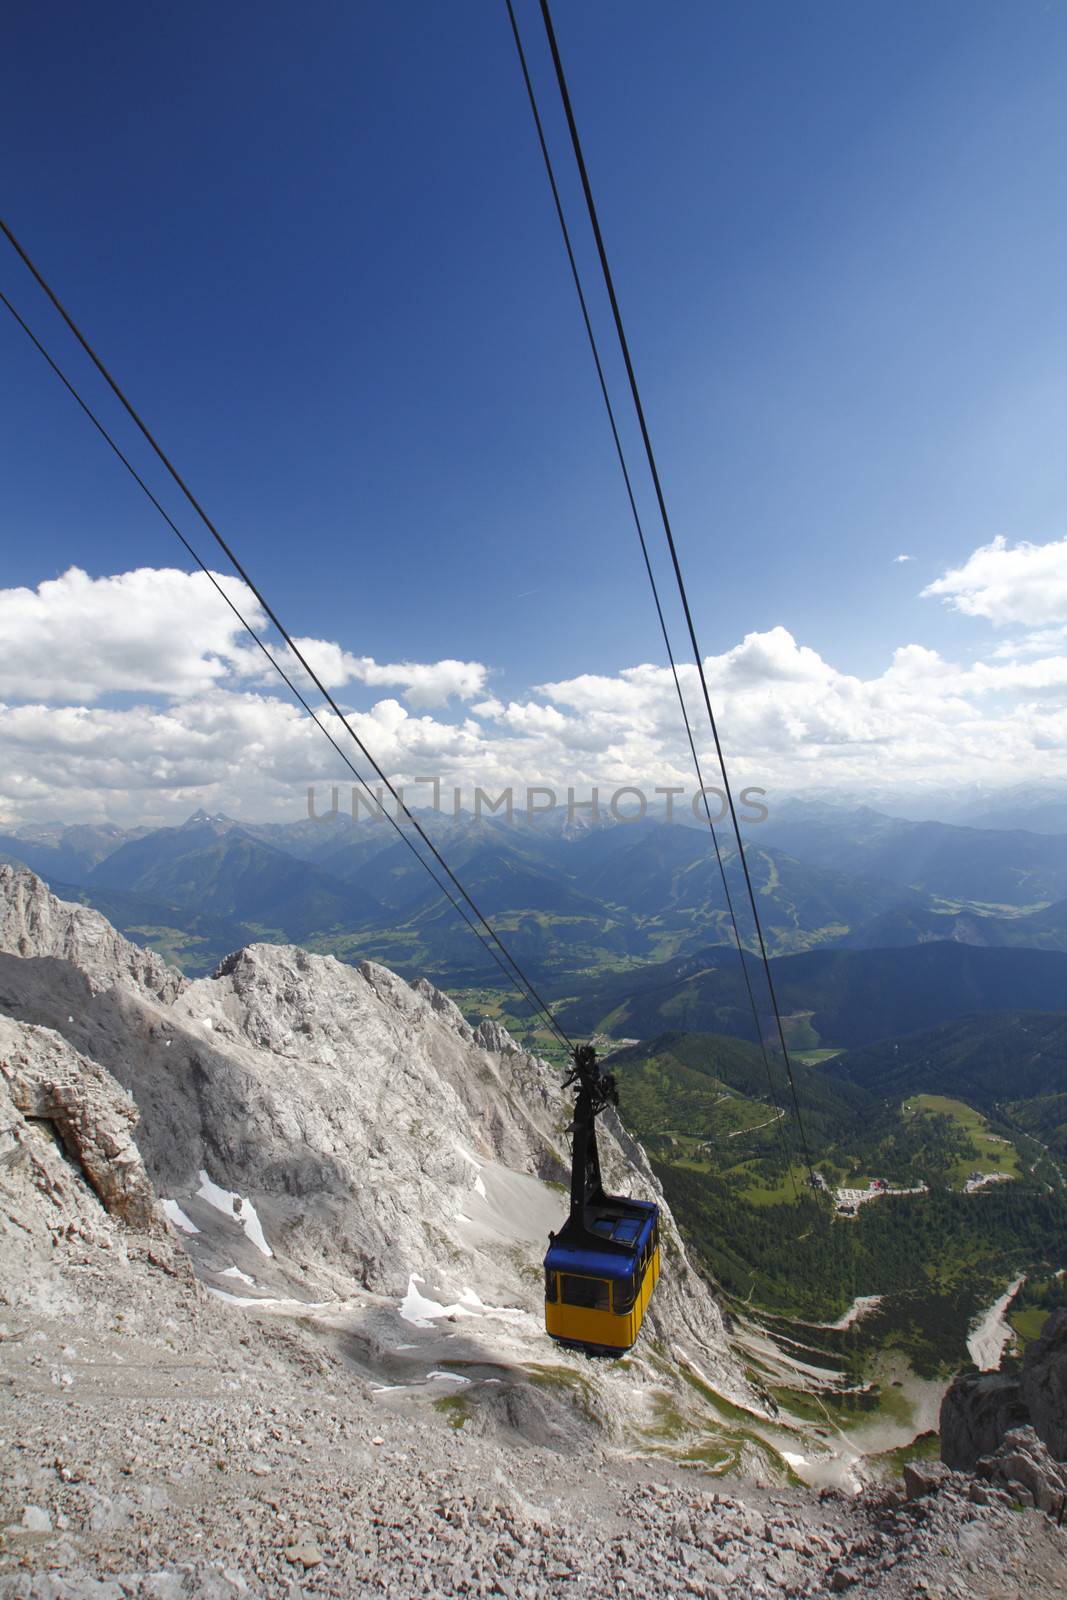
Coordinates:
(599, 1278)
(603, 1264)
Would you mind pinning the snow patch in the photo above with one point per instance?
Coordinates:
(244, 1299)
(235, 1272)
(174, 1213)
(991, 1331)
(468, 1297)
(420, 1311)
(237, 1208)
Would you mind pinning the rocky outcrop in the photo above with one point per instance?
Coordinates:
(1044, 1384)
(82, 1236)
(45, 1081)
(34, 923)
(922, 1478)
(976, 1413)
(1025, 1470)
(332, 1134)
(1019, 1472)
(979, 1413)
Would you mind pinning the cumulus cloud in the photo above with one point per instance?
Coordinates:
(423, 683)
(213, 731)
(1023, 583)
(898, 559)
(235, 750)
(161, 631)
(1039, 641)
(153, 631)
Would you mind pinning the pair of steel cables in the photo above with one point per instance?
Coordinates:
(461, 899)
(458, 896)
(650, 458)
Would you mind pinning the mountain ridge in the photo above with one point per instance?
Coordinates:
(378, 1138)
(179, 1440)
(830, 998)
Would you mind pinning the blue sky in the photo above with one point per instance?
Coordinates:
(317, 246)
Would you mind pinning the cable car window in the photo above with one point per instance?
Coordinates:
(550, 1286)
(624, 1295)
(593, 1293)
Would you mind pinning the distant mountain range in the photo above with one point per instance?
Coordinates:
(570, 898)
(988, 866)
(1037, 807)
(1009, 1060)
(828, 998)
(1011, 1067)
(216, 866)
(595, 912)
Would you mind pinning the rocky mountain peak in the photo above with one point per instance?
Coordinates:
(331, 1137)
(93, 1118)
(213, 819)
(359, 1177)
(34, 923)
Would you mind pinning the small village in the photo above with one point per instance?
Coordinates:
(982, 1180)
(848, 1201)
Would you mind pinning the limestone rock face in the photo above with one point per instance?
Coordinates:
(82, 1235)
(1044, 1384)
(978, 1413)
(94, 1119)
(1023, 1465)
(34, 923)
(332, 1134)
(923, 1478)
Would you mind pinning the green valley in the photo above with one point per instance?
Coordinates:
(985, 1203)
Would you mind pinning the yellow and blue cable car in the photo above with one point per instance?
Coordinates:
(603, 1264)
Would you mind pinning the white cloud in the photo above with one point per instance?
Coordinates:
(900, 558)
(1038, 642)
(213, 730)
(231, 750)
(423, 683)
(154, 631)
(1024, 583)
(161, 631)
